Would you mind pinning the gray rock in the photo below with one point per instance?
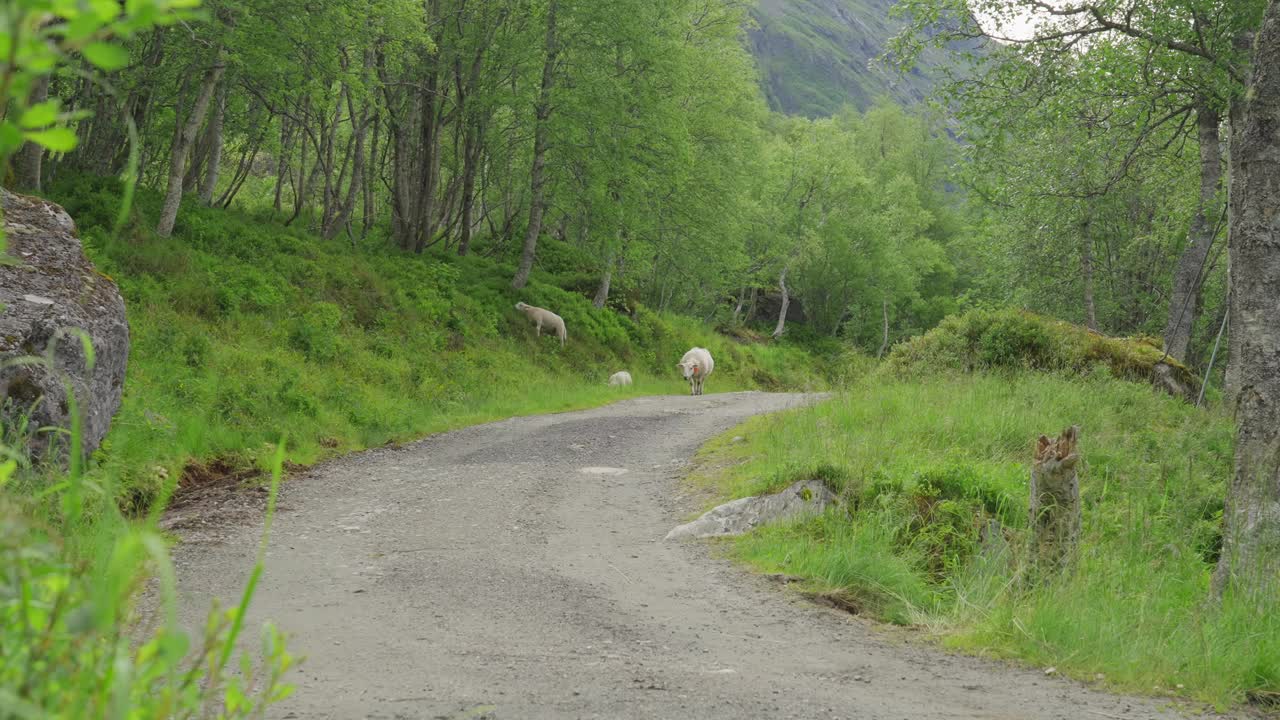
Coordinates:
(806, 497)
(51, 290)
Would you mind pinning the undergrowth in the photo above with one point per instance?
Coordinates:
(242, 327)
(933, 474)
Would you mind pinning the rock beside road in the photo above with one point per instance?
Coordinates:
(806, 497)
(48, 290)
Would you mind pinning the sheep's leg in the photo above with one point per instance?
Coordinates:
(539, 328)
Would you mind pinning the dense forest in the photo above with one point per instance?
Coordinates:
(638, 136)
(319, 216)
(634, 133)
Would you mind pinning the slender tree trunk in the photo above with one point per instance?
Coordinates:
(214, 160)
(737, 308)
(536, 179)
(300, 185)
(602, 291)
(367, 208)
(786, 303)
(884, 342)
(282, 162)
(1086, 273)
(1184, 301)
(471, 147)
(1250, 559)
(27, 161)
(182, 139)
(244, 166)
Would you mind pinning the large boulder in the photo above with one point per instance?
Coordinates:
(48, 288)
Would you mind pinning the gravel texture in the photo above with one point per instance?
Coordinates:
(517, 570)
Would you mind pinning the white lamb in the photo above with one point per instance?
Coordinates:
(696, 366)
(621, 377)
(542, 316)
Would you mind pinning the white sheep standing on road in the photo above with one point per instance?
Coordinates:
(622, 377)
(696, 366)
(542, 316)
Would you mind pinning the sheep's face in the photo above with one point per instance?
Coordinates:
(521, 306)
(690, 370)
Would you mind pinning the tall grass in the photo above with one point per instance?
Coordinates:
(69, 645)
(934, 474)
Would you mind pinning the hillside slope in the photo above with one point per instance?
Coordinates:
(816, 56)
(244, 331)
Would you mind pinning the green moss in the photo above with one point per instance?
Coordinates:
(1013, 339)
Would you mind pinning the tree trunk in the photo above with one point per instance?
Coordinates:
(884, 341)
(368, 209)
(1055, 502)
(786, 302)
(282, 161)
(536, 178)
(27, 161)
(183, 137)
(214, 160)
(300, 185)
(471, 146)
(1086, 273)
(602, 292)
(742, 301)
(1184, 301)
(1250, 559)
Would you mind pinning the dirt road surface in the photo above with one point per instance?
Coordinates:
(511, 571)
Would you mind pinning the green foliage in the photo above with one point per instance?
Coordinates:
(241, 326)
(1020, 340)
(70, 645)
(935, 471)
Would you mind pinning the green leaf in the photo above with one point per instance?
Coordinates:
(81, 28)
(10, 137)
(105, 55)
(56, 139)
(40, 115)
(106, 10)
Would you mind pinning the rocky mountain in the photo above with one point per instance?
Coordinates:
(817, 55)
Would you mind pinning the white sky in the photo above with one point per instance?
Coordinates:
(1018, 26)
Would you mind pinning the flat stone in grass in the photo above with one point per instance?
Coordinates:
(806, 497)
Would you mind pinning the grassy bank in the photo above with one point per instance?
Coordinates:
(244, 330)
(927, 470)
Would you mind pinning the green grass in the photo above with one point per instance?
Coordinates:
(243, 329)
(925, 466)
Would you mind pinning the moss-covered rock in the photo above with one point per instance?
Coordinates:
(983, 340)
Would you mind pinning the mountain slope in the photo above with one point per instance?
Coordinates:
(817, 55)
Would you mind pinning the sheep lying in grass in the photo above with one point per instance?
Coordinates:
(541, 316)
(696, 366)
(620, 378)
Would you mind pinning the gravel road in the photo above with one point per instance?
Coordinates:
(514, 570)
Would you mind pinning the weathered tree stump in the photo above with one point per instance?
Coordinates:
(1055, 502)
